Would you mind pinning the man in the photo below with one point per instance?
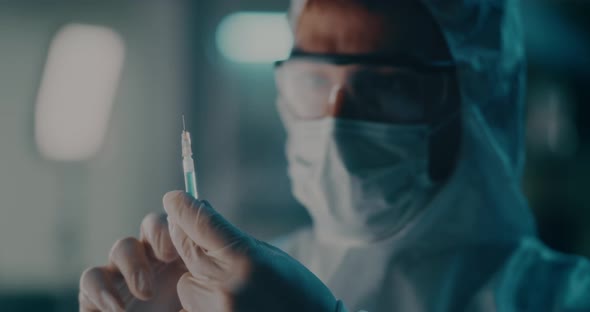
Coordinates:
(405, 143)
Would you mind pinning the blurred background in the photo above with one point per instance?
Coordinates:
(88, 147)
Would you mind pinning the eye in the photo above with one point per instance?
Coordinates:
(399, 83)
(314, 81)
(398, 96)
(393, 84)
(379, 86)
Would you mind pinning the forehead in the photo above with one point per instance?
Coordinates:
(346, 27)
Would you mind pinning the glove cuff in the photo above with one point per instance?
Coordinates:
(340, 307)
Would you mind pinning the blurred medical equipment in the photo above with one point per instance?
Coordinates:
(188, 164)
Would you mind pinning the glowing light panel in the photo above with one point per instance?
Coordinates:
(77, 89)
(254, 37)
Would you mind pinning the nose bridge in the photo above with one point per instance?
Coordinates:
(336, 99)
(340, 91)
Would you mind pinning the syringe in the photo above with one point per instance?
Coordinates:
(190, 185)
(188, 164)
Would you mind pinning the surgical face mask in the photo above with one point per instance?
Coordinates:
(361, 181)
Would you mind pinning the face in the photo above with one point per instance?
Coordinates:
(379, 93)
(343, 27)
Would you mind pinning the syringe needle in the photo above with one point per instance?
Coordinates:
(183, 125)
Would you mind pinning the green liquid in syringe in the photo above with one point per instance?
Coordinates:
(191, 184)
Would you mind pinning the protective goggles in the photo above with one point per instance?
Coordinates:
(364, 87)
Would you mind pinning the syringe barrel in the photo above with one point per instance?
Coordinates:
(188, 164)
(190, 178)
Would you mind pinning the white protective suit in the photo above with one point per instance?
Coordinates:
(471, 246)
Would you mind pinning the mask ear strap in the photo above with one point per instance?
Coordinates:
(444, 136)
(435, 103)
(449, 116)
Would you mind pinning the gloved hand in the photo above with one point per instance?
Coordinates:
(232, 271)
(141, 274)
